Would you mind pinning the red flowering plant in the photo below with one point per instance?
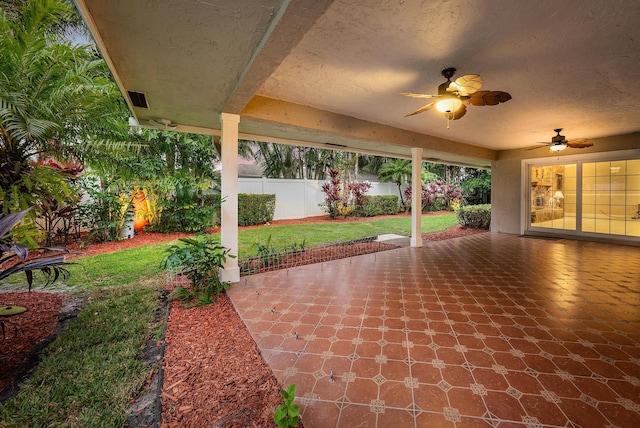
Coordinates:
(332, 193)
(358, 190)
(438, 195)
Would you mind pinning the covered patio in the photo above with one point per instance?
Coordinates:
(487, 330)
(494, 329)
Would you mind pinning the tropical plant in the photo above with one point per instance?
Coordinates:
(200, 259)
(437, 195)
(397, 171)
(287, 414)
(332, 192)
(14, 257)
(105, 207)
(358, 190)
(55, 98)
(58, 219)
(292, 162)
(476, 186)
(176, 174)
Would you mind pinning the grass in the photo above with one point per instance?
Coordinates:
(135, 264)
(90, 372)
(324, 233)
(88, 375)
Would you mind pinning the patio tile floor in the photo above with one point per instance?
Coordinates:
(490, 330)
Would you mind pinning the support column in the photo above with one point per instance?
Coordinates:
(416, 197)
(229, 220)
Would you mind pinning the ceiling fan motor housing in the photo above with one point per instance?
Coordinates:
(557, 139)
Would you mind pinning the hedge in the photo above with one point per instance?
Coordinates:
(379, 205)
(476, 216)
(255, 209)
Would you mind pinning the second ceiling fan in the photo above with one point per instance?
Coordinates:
(453, 97)
(560, 142)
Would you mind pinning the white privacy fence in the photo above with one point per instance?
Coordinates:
(300, 198)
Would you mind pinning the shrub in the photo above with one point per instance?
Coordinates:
(437, 195)
(255, 209)
(187, 217)
(476, 216)
(200, 260)
(358, 190)
(102, 213)
(332, 194)
(379, 205)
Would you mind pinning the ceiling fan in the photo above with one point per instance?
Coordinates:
(559, 142)
(453, 97)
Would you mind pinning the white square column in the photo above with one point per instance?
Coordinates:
(416, 197)
(229, 209)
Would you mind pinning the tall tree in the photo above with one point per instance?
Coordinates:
(285, 161)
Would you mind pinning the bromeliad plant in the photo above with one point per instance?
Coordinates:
(200, 260)
(14, 257)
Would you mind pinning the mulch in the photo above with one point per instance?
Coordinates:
(214, 374)
(25, 334)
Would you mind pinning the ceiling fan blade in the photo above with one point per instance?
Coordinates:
(459, 113)
(414, 95)
(466, 85)
(420, 110)
(579, 143)
(489, 98)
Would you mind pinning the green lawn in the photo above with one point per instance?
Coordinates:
(325, 233)
(90, 372)
(127, 266)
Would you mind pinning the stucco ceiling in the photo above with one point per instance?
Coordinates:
(331, 71)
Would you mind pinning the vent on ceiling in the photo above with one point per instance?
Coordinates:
(334, 145)
(138, 99)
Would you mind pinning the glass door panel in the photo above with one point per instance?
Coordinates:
(611, 197)
(553, 196)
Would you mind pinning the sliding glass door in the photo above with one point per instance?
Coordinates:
(589, 196)
(553, 196)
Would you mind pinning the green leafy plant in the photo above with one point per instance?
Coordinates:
(268, 253)
(14, 257)
(287, 414)
(476, 216)
(200, 260)
(255, 209)
(103, 213)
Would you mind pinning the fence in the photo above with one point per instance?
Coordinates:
(300, 198)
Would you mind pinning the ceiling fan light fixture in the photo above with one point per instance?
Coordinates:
(557, 147)
(448, 104)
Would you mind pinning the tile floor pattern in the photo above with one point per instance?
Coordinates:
(490, 330)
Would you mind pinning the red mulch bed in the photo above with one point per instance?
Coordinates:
(214, 374)
(33, 328)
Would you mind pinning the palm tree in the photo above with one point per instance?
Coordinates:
(396, 171)
(55, 97)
